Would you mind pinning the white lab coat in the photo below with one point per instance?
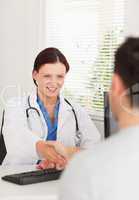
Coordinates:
(21, 141)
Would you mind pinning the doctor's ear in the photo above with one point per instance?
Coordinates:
(34, 76)
(117, 85)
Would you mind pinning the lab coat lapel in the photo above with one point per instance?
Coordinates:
(64, 112)
(33, 100)
(33, 103)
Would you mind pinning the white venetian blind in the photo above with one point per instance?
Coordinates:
(87, 32)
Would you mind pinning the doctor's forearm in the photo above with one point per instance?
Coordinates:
(40, 147)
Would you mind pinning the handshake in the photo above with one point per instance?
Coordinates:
(54, 154)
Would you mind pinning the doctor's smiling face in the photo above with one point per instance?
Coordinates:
(50, 79)
(49, 71)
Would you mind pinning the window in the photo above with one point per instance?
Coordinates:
(87, 32)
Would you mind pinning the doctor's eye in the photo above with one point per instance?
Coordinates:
(60, 76)
(47, 76)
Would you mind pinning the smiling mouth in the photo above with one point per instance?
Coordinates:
(52, 89)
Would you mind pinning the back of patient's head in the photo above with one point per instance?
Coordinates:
(127, 61)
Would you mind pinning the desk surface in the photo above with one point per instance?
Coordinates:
(37, 191)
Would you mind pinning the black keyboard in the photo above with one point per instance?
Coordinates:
(36, 176)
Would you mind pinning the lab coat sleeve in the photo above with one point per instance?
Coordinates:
(89, 133)
(20, 141)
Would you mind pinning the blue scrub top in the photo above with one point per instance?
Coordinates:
(52, 127)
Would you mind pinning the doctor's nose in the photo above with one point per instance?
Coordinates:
(53, 80)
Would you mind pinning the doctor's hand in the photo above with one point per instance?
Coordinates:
(53, 153)
(66, 152)
(46, 164)
(59, 148)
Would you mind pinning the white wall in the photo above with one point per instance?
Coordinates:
(132, 15)
(19, 44)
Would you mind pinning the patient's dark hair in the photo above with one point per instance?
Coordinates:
(50, 55)
(127, 61)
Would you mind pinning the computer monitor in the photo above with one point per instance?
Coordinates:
(110, 124)
(3, 150)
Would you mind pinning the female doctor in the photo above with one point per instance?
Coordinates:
(45, 126)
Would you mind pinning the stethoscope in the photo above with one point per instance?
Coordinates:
(78, 135)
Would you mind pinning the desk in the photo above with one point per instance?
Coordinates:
(37, 191)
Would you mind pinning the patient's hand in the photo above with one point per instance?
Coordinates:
(66, 152)
(59, 148)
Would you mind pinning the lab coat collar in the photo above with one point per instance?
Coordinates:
(63, 105)
(33, 99)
